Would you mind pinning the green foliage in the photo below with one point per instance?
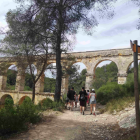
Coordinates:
(14, 119)
(65, 97)
(28, 111)
(105, 74)
(27, 88)
(9, 102)
(28, 80)
(10, 87)
(58, 106)
(112, 91)
(78, 81)
(11, 77)
(49, 85)
(49, 104)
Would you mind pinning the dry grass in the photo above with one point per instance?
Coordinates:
(119, 104)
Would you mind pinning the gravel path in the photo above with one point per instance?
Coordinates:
(71, 125)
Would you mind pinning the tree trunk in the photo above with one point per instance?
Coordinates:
(33, 93)
(59, 70)
(58, 54)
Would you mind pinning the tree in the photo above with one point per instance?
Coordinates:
(24, 45)
(60, 18)
(76, 79)
(67, 16)
(73, 74)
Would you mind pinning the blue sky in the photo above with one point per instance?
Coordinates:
(111, 33)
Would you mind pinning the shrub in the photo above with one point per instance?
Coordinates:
(49, 104)
(27, 88)
(112, 91)
(27, 110)
(58, 106)
(14, 119)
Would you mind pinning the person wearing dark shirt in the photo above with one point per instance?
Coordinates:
(82, 99)
(71, 96)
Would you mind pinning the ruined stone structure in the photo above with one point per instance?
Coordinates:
(18, 97)
(121, 57)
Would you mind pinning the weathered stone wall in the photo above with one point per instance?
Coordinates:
(18, 96)
(121, 57)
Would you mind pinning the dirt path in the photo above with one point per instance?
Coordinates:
(71, 125)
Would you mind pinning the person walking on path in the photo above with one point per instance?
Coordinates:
(76, 100)
(71, 96)
(67, 105)
(92, 97)
(88, 96)
(82, 99)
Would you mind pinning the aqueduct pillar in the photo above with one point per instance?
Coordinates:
(20, 80)
(122, 78)
(40, 84)
(3, 80)
(89, 80)
(64, 84)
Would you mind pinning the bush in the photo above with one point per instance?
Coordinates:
(113, 91)
(27, 88)
(10, 87)
(58, 106)
(14, 119)
(49, 104)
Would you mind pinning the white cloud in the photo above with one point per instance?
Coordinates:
(84, 42)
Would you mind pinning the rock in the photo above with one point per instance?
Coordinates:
(126, 109)
(114, 112)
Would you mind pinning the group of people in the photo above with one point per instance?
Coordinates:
(85, 98)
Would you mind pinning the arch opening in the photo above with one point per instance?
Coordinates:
(77, 76)
(23, 99)
(130, 72)
(11, 77)
(105, 72)
(28, 77)
(50, 78)
(3, 98)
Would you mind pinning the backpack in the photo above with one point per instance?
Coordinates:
(82, 97)
(68, 95)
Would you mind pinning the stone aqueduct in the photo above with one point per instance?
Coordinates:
(121, 57)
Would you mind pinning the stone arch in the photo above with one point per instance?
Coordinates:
(129, 65)
(100, 61)
(11, 81)
(29, 84)
(41, 101)
(5, 65)
(51, 65)
(3, 73)
(108, 73)
(2, 100)
(22, 99)
(34, 68)
(50, 72)
(67, 73)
